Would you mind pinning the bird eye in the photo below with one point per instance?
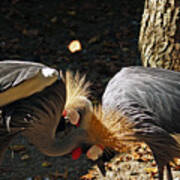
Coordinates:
(71, 116)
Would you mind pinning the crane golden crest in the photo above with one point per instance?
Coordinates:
(77, 94)
(76, 87)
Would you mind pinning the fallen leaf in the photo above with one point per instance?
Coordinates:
(88, 176)
(30, 32)
(125, 49)
(136, 156)
(46, 164)
(109, 165)
(176, 161)
(63, 175)
(151, 170)
(54, 19)
(74, 46)
(17, 148)
(148, 158)
(109, 44)
(25, 157)
(177, 168)
(94, 39)
(72, 13)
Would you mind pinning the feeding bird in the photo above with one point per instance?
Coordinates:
(32, 99)
(139, 105)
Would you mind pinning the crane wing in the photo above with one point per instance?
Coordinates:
(20, 79)
(139, 91)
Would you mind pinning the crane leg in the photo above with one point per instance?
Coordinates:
(161, 172)
(169, 173)
(160, 166)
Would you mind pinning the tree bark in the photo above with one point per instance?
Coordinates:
(159, 39)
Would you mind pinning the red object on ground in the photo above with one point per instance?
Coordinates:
(76, 153)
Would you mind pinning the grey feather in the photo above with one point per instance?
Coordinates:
(150, 98)
(148, 91)
(16, 72)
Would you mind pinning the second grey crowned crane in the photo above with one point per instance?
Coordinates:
(150, 99)
(139, 105)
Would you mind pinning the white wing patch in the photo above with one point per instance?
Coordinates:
(49, 72)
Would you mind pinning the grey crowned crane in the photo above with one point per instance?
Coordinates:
(139, 105)
(32, 99)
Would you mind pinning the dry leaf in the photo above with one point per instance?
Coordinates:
(72, 13)
(94, 39)
(176, 161)
(17, 148)
(136, 156)
(54, 19)
(109, 165)
(74, 46)
(151, 170)
(30, 32)
(25, 157)
(88, 176)
(46, 164)
(176, 168)
(58, 175)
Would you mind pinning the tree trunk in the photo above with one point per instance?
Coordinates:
(159, 39)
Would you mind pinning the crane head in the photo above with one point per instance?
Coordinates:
(72, 116)
(78, 108)
(77, 94)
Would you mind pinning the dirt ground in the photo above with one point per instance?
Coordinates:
(40, 31)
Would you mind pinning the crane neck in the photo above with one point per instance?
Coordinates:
(60, 147)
